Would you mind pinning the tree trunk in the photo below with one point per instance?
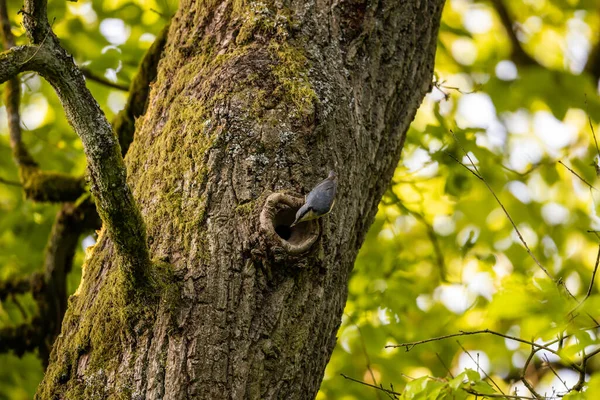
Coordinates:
(251, 99)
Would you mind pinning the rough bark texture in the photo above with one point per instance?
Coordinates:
(251, 98)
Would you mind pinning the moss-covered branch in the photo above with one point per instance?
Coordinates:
(124, 122)
(19, 59)
(21, 338)
(37, 184)
(20, 285)
(49, 288)
(71, 222)
(107, 174)
(35, 20)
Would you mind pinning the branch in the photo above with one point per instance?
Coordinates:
(410, 345)
(139, 90)
(479, 367)
(107, 173)
(478, 174)
(581, 381)
(497, 396)
(519, 55)
(523, 378)
(577, 175)
(9, 287)
(20, 59)
(71, 221)
(373, 386)
(9, 182)
(37, 185)
(20, 339)
(49, 186)
(589, 291)
(35, 20)
(101, 80)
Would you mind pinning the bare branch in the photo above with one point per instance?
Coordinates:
(539, 264)
(9, 182)
(373, 386)
(103, 81)
(497, 396)
(528, 385)
(589, 291)
(479, 367)
(410, 345)
(467, 168)
(577, 175)
(35, 20)
(588, 113)
(549, 364)
(519, 55)
(444, 365)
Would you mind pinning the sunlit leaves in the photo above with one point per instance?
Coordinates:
(526, 129)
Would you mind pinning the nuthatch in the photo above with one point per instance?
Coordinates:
(319, 201)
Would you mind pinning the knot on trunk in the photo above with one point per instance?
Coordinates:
(278, 214)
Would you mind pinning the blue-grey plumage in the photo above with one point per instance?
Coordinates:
(319, 201)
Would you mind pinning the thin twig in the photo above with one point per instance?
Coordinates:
(589, 292)
(367, 358)
(591, 286)
(497, 396)
(479, 367)
(9, 182)
(467, 168)
(592, 127)
(444, 365)
(409, 346)
(528, 385)
(103, 81)
(554, 372)
(577, 175)
(539, 264)
(373, 386)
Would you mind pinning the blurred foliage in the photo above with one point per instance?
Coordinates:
(442, 256)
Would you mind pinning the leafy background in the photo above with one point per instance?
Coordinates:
(442, 256)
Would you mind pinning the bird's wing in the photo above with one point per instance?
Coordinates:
(323, 191)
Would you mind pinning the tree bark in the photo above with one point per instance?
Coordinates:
(253, 104)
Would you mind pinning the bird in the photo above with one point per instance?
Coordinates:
(319, 201)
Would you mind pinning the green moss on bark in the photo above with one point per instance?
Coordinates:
(101, 322)
(50, 186)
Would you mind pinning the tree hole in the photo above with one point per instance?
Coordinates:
(279, 212)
